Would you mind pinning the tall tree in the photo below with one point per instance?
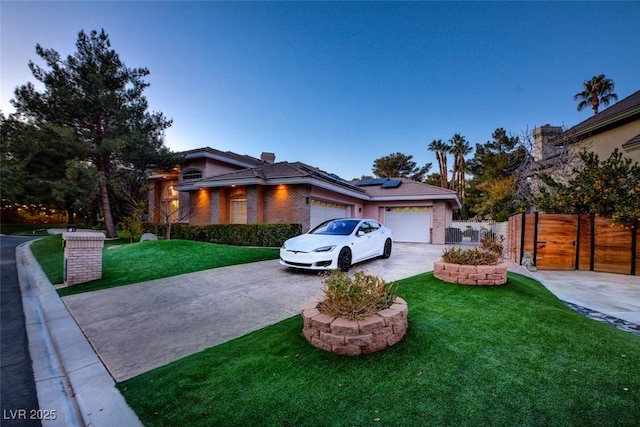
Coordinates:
(441, 149)
(598, 90)
(398, 165)
(608, 188)
(495, 166)
(100, 102)
(459, 147)
(33, 164)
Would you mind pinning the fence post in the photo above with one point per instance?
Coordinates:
(522, 229)
(535, 238)
(578, 244)
(593, 242)
(634, 248)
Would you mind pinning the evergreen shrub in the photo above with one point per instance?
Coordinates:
(264, 235)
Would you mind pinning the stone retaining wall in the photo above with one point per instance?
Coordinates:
(471, 274)
(355, 337)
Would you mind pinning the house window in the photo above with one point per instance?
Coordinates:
(192, 174)
(170, 204)
(238, 209)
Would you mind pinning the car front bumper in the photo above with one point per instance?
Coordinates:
(308, 260)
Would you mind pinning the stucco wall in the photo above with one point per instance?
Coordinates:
(440, 219)
(604, 143)
(209, 167)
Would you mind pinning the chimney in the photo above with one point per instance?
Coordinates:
(542, 135)
(268, 157)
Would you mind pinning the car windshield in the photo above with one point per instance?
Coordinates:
(338, 227)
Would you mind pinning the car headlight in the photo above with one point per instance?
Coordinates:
(325, 249)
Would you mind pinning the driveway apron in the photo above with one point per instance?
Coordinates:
(139, 327)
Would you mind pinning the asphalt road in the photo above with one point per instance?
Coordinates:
(18, 398)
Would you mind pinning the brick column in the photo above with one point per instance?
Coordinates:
(82, 257)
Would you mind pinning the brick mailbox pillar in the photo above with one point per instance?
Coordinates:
(82, 257)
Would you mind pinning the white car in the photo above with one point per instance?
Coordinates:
(337, 243)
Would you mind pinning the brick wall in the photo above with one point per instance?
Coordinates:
(198, 211)
(255, 204)
(287, 204)
(82, 257)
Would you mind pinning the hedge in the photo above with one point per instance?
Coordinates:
(267, 235)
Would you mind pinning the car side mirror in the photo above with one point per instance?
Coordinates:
(360, 233)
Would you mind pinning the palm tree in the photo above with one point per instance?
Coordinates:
(596, 91)
(441, 149)
(459, 147)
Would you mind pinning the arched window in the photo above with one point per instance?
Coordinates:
(238, 209)
(191, 174)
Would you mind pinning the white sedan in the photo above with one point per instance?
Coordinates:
(338, 243)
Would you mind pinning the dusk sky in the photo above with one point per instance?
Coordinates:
(337, 85)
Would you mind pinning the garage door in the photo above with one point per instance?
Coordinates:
(409, 224)
(322, 210)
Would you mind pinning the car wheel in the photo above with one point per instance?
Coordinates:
(386, 252)
(344, 259)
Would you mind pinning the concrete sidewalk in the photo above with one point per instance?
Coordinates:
(616, 295)
(71, 381)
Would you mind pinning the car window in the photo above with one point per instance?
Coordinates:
(369, 226)
(339, 227)
(373, 225)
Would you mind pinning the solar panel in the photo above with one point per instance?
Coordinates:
(392, 184)
(371, 181)
(364, 182)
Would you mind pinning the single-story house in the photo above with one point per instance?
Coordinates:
(215, 187)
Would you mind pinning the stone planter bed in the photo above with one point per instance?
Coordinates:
(355, 337)
(482, 275)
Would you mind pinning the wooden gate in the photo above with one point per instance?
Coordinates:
(556, 242)
(574, 242)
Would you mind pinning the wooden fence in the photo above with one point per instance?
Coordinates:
(574, 242)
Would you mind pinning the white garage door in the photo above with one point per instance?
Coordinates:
(322, 210)
(409, 224)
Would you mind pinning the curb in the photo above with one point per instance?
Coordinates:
(73, 386)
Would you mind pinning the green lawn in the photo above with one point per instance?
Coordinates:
(510, 355)
(139, 262)
(28, 229)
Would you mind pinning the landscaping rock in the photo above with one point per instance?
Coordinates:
(147, 237)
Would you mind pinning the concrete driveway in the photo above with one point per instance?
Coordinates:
(140, 327)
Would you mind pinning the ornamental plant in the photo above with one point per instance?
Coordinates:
(493, 244)
(356, 297)
(473, 256)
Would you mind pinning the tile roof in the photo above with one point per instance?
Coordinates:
(408, 188)
(632, 144)
(243, 158)
(282, 170)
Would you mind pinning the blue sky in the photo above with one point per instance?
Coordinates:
(337, 85)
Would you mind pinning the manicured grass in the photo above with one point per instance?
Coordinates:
(139, 262)
(509, 355)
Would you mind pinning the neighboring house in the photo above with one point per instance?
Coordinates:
(215, 187)
(616, 127)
